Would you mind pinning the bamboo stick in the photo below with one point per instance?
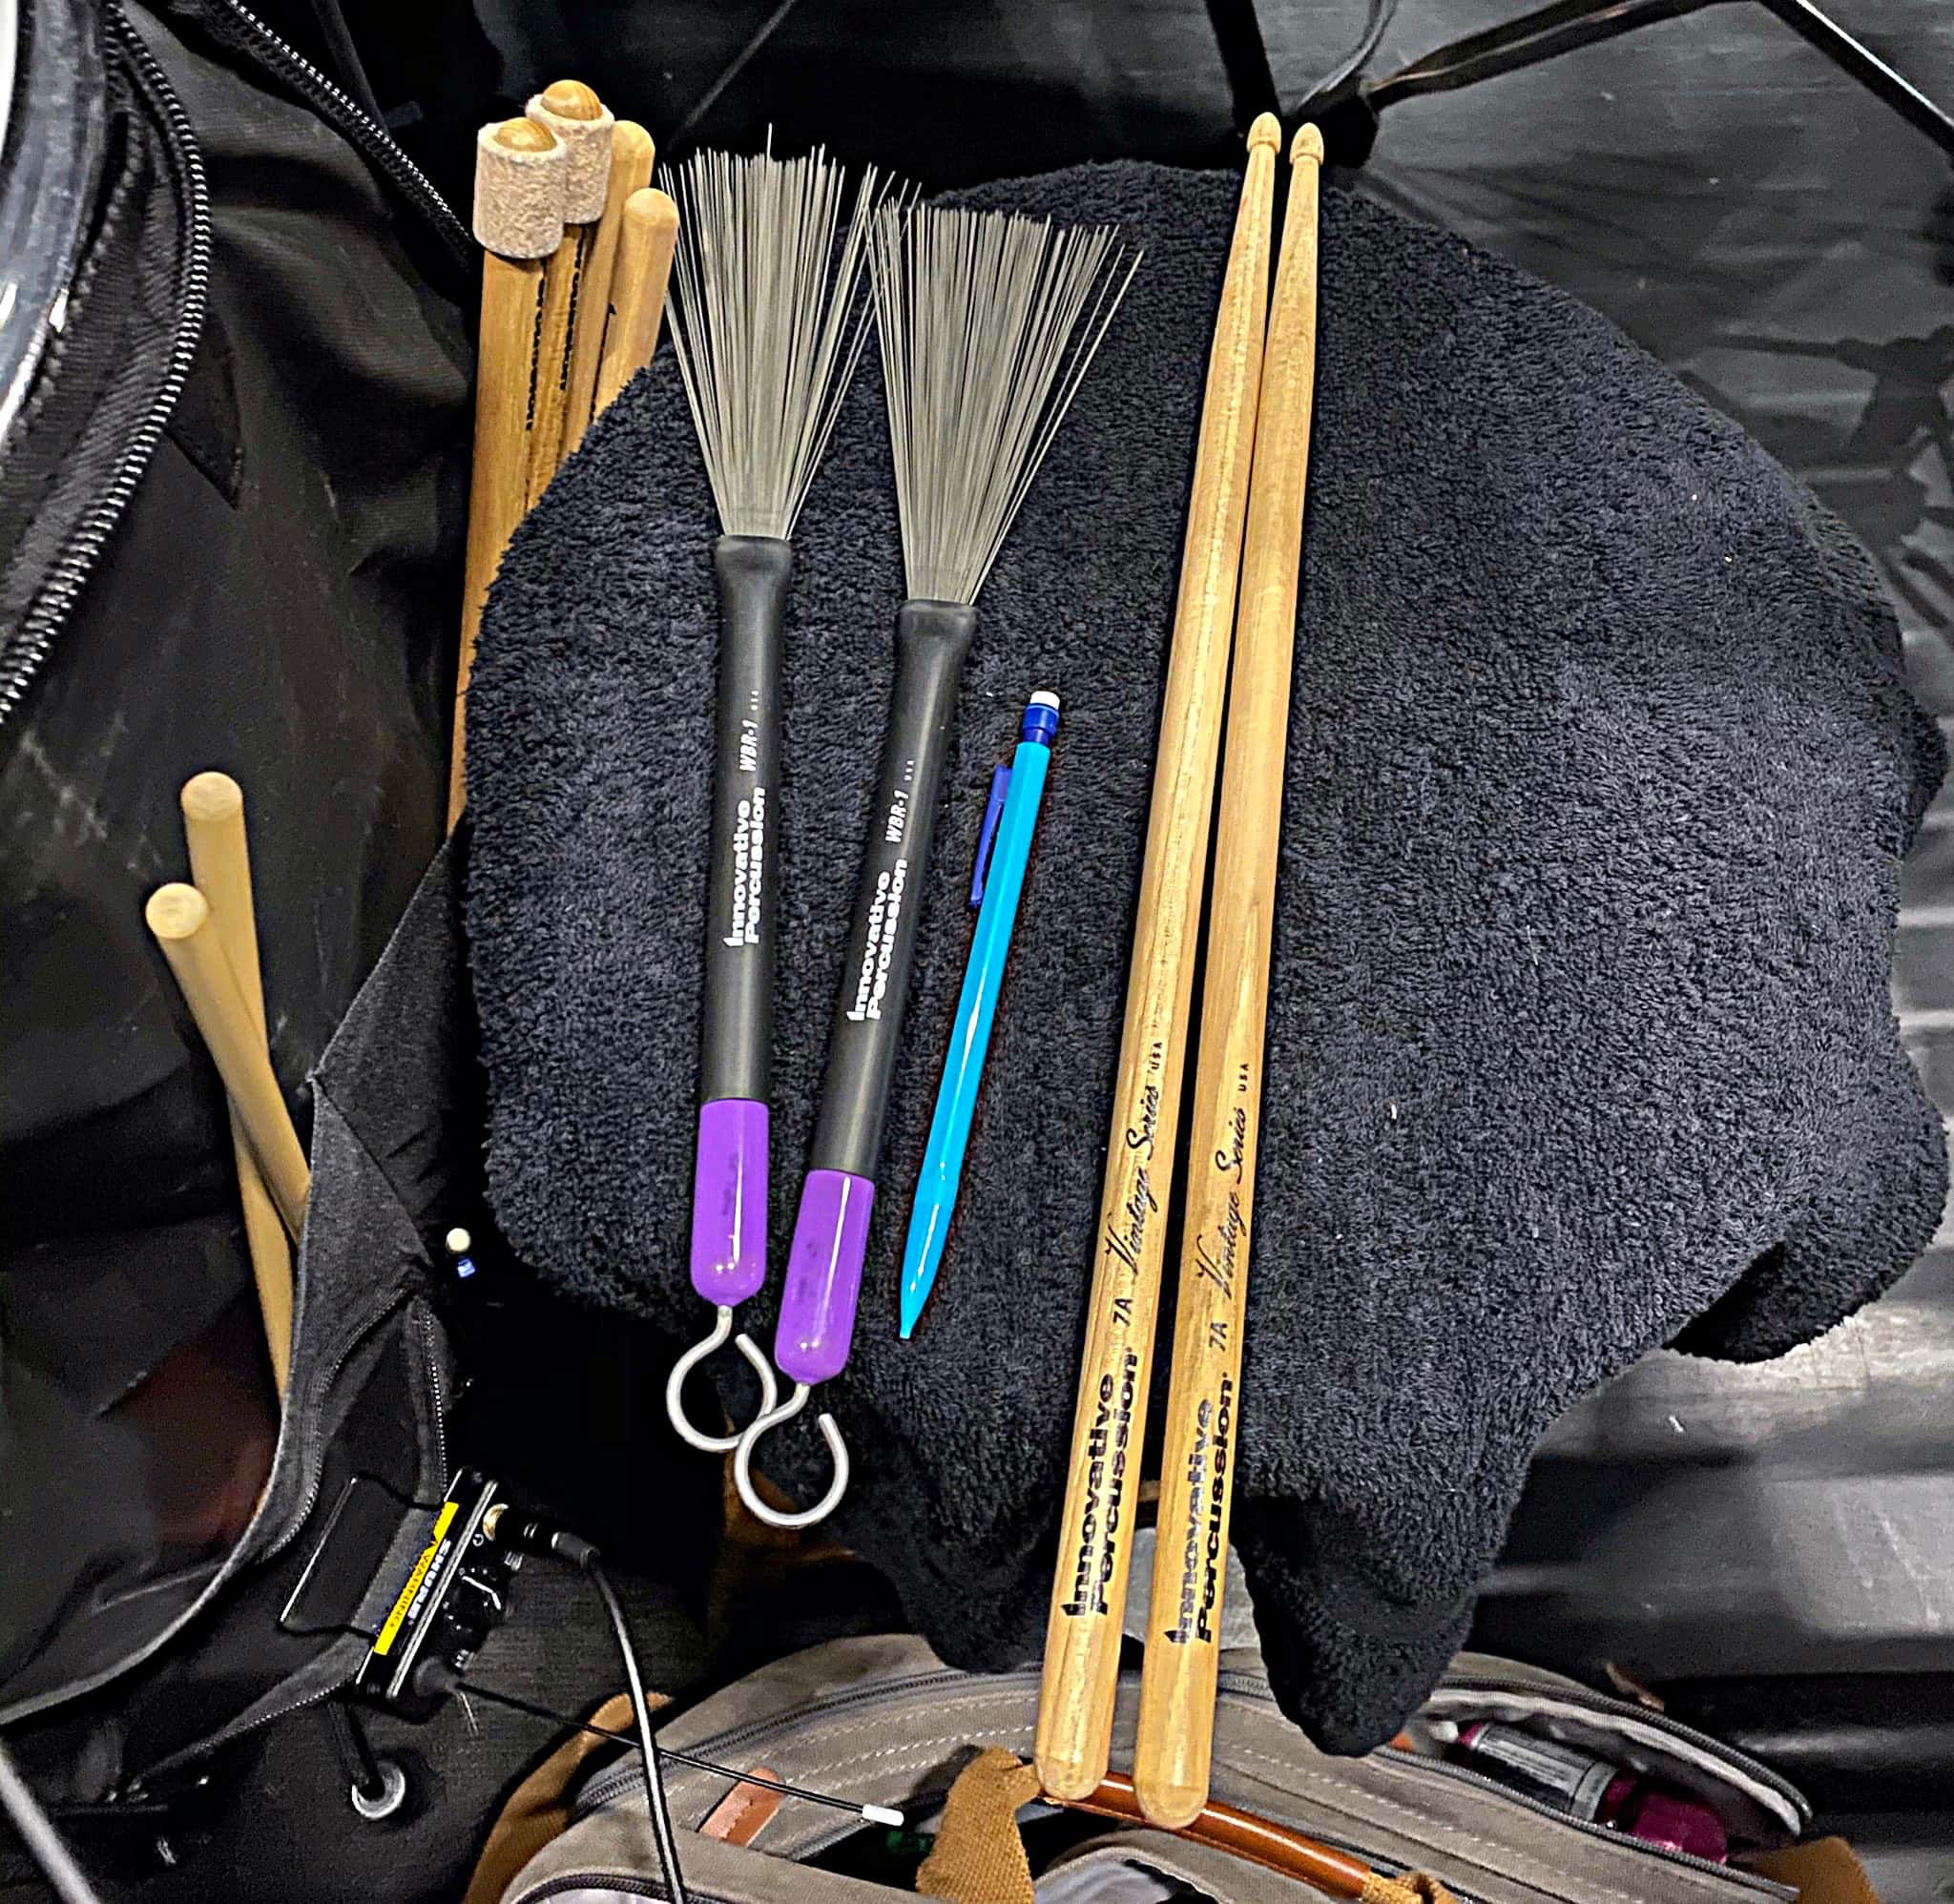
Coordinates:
(1095, 1531)
(181, 917)
(638, 291)
(220, 867)
(632, 156)
(1174, 1749)
(578, 121)
(518, 218)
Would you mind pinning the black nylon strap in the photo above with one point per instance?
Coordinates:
(1245, 59)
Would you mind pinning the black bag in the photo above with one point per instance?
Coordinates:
(231, 509)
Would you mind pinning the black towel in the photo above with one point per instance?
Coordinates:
(1601, 768)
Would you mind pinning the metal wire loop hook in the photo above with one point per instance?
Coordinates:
(742, 1464)
(674, 1385)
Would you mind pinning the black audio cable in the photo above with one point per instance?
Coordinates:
(528, 1535)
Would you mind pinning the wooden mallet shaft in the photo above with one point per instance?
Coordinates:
(581, 124)
(1174, 1749)
(180, 919)
(1102, 1491)
(638, 291)
(631, 155)
(518, 218)
(220, 868)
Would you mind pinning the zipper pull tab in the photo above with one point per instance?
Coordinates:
(987, 835)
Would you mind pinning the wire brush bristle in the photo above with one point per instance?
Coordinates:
(766, 324)
(988, 321)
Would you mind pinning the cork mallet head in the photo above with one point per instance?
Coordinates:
(582, 125)
(520, 177)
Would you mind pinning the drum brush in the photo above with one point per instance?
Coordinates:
(987, 324)
(767, 329)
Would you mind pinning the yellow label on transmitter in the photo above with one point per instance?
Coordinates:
(397, 1619)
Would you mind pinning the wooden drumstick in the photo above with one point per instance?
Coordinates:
(1175, 1746)
(638, 291)
(631, 154)
(180, 919)
(1095, 1531)
(518, 218)
(221, 866)
(583, 126)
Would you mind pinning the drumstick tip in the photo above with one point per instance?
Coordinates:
(1309, 144)
(573, 100)
(1266, 133)
(176, 911)
(658, 210)
(523, 135)
(210, 797)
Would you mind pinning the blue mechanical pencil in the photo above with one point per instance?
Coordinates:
(998, 890)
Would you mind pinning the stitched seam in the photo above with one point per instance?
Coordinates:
(917, 1745)
(1503, 1856)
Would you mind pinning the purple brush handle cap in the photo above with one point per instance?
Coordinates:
(824, 1275)
(728, 1201)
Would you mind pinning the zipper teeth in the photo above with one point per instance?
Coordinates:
(1245, 1686)
(316, 1460)
(137, 1790)
(1658, 1722)
(627, 1778)
(1417, 1762)
(424, 1316)
(379, 144)
(622, 1778)
(22, 654)
(1462, 1774)
(300, 1515)
(610, 1880)
(37, 629)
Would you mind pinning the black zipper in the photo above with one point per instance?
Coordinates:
(427, 1325)
(1465, 1775)
(248, 1554)
(26, 647)
(626, 1779)
(1585, 1700)
(358, 126)
(581, 1883)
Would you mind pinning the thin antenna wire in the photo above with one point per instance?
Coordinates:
(988, 322)
(766, 328)
(874, 1815)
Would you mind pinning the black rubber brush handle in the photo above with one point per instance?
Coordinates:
(932, 640)
(743, 895)
(730, 1165)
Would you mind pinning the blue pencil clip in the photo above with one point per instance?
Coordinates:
(987, 834)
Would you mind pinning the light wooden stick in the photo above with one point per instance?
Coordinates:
(577, 118)
(221, 865)
(1174, 1747)
(631, 155)
(180, 919)
(1102, 1491)
(519, 218)
(638, 291)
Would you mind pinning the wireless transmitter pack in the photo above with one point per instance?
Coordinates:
(424, 1585)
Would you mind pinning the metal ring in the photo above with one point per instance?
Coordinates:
(388, 1799)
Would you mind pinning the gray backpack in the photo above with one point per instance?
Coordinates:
(883, 1722)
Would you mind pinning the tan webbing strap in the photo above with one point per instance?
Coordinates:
(979, 1856)
(1825, 1872)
